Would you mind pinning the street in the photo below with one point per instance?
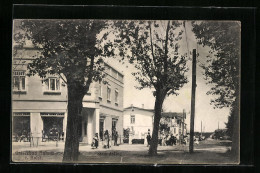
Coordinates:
(206, 152)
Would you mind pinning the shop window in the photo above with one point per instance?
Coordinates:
(52, 123)
(21, 127)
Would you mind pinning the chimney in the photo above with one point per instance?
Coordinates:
(143, 106)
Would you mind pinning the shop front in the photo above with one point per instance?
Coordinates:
(53, 126)
(21, 126)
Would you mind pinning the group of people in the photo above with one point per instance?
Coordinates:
(106, 138)
(168, 139)
(52, 134)
(23, 135)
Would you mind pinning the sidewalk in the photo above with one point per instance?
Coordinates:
(59, 147)
(207, 152)
(208, 145)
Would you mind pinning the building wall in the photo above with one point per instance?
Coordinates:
(143, 122)
(36, 100)
(115, 83)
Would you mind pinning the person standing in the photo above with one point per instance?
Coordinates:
(148, 137)
(107, 138)
(115, 138)
(96, 140)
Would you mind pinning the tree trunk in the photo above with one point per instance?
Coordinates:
(157, 116)
(236, 132)
(71, 150)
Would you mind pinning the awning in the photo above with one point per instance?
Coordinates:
(53, 114)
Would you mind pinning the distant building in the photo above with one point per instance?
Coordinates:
(139, 121)
(41, 104)
(176, 122)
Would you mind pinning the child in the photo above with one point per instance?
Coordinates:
(95, 142)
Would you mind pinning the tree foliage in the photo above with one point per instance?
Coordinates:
(222, 67)
(229, 124)
(153, 48)
(68, 47)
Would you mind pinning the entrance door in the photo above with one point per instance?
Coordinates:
(114, 122)
(101, 129)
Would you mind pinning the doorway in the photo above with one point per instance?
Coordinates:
(101, 129)
(114, 123)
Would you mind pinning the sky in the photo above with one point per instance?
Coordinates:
(204, 111)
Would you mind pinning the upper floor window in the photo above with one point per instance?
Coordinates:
(110, 71)
(52, 84)
(19, 81)
(132, 119)
(108, 93)
(100, 90)
(116, 96)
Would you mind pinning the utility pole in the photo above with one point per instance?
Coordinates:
(193, 90)
(183, 114)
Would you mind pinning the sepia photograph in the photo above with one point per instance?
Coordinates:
(98, 91)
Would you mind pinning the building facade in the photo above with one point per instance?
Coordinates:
(139, 121)
(176, 123)
(41, 104)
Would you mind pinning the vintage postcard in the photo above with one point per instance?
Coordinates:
(126, 91)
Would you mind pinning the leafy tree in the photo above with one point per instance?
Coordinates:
(222, 67)
(152, 46)
(73, 50)
(219, 133)
(229, 124)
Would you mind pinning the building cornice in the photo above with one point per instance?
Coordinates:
(120, 110)
(130, 108)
